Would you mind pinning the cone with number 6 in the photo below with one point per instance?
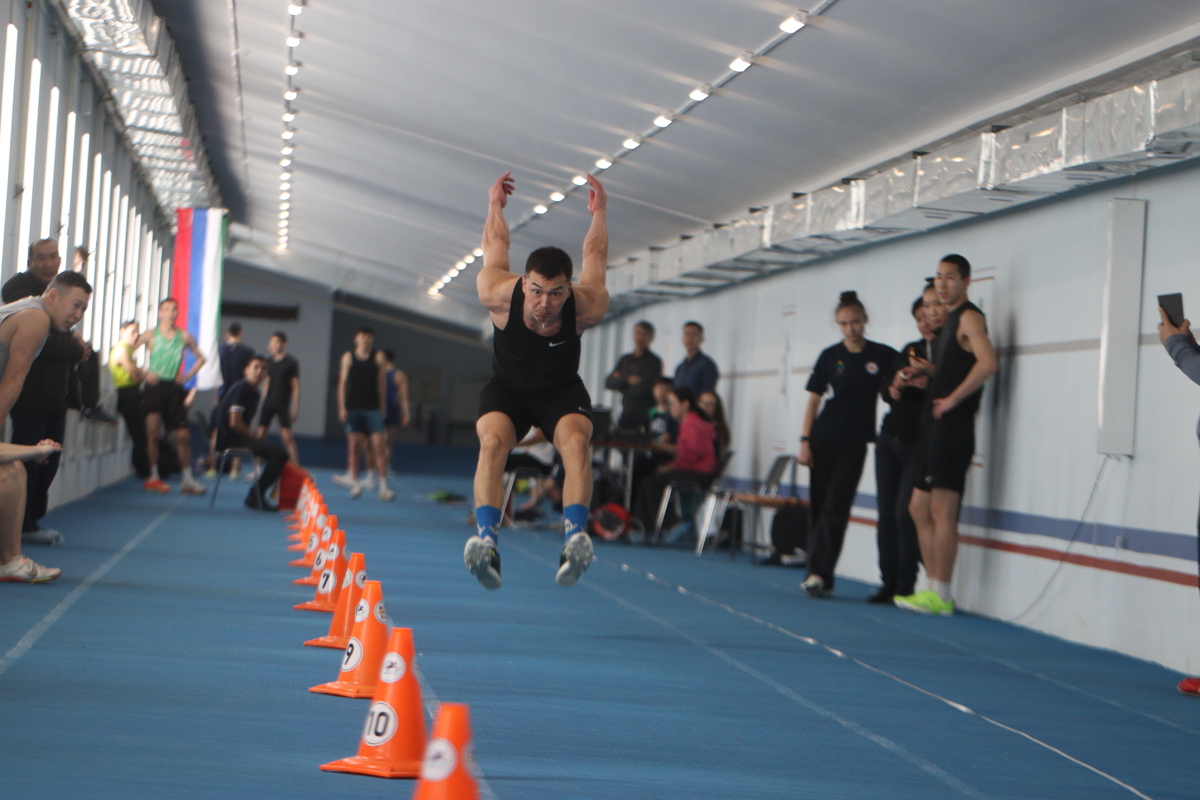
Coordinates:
(393, 739)
(343, 616)
(363, 656)
(320, 558)
(329, 585)
(448, 770)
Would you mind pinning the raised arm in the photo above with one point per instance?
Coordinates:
(494, 282)
(591, 300)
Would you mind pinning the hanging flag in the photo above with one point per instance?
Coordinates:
(196, 275)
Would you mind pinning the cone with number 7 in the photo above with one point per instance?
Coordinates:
(320, 558)
(343, 616)
(329, 585)
(448, 770)
(393, 739)
(363, 656)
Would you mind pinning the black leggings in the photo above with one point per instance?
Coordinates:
(129, 406)
(833, 482)
(31, 427)
(896, 534)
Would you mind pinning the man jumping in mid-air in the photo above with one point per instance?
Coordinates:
(539, 318)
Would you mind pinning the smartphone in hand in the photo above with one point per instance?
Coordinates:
(1173, 305)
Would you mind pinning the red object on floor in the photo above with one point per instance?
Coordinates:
(1190, 686)
(290, 483)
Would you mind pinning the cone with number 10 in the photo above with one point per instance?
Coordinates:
(393, 739)
(343, 616)
(329, 585)
(359, 673)
(448, 770)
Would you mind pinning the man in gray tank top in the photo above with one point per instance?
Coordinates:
(24, 326)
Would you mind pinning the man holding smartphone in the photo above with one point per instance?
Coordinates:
(1181, 346)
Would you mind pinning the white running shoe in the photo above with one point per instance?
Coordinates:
(26, 570)
(577, 554)
(369, 481)
(356, 491)
(483, 560)
(192, 487)
(386, 494)
(345, 480)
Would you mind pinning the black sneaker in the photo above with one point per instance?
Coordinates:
(576, 556)
(99, 416)
(483, 560)
(253, 501)
(882, 596)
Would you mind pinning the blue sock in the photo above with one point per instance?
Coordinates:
(575, 517)
(488, 520)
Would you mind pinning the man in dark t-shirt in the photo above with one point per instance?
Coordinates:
(234, 412)
(234, 356)
(282, 396)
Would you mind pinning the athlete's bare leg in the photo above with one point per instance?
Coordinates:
(12, 509)
(355, 446)
(922, 517)
(572, 438)
(183, 447)
(289, 444)
(497, 438)
(154, 425)
(944, 508)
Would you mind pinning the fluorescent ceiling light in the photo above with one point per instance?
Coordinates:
(284, 176)
(293, 67)
(461, 265)
(296, 6)
(700, 93)
(453, 273)
(540, 209)
(289, 115)
(285, 195)
(291, 93)
(284, 206)
(631, 144)
(285, 162)
(794, 23)
(432, 292)
(293, 39)
(557, 196)
(284, 214)
(477, 252)
(438, 285)
(285, 186)
(603, 163)
(288, 149)
(742, 62)
(469, 260)
(579, 180)
(288, 133)
(663, 121)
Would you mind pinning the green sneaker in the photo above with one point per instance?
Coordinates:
(926, 602)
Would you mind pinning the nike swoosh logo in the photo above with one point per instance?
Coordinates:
(556, 344)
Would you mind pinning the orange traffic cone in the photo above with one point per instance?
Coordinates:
(307, 528)
(368, 639)
(302, 502)
(322, 535)
(322, 558)
(330, 582)
(393, 739)
(343, 616)
(448, 771)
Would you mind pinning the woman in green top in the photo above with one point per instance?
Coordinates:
(127, 378)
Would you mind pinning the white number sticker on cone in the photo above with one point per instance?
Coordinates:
(382, 723)
(353, 656)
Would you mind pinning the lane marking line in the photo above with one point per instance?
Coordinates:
(37, 631)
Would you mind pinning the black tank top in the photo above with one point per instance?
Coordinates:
(529, 363)
(953, 362)
(362, 383)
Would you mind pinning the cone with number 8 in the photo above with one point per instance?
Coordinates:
(363, 656)
(393, 739)
(319, 558)
(329, 585)
(343, 616)
(448, 770)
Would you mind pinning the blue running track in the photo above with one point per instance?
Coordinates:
(167, 663)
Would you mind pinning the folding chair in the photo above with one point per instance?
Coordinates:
(679, 490)
(767, 496)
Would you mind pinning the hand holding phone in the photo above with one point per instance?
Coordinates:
(1173, 305)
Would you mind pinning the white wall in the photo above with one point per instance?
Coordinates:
(1040, 273)
(308, 336)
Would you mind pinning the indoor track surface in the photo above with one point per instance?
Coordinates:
(167, 663)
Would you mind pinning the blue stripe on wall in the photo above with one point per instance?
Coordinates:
(196, 280)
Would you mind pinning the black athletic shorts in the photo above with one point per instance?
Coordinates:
(269, 413)
(166, 398)
(945, 452)
(528, 410)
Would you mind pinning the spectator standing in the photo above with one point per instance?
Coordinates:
(127, 379)
(281, 397)
(362, 400)
(697, 371)
(234, 356)
(397, 415)
(84, 391)
(234, 413)
(964, 360)
(1181, 346)
(634, 377)
(834, 442)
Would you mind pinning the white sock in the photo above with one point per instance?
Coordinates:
(187, 475)
(382, 484)
(942, 588)
(154, 473)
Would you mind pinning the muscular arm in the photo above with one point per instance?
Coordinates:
(381, 382)
(591, 296)
(190, 344)
(973, 328)
(494, 282)
(402, 391)
(31, 329)
(295, 398)
(341, 393)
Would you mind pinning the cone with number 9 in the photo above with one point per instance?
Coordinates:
(448, 770)
(343, 616)
(329, 585)
(359, 673)
(393, 739)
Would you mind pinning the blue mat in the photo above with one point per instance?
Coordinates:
(167, 662)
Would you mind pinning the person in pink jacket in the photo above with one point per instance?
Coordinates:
(695, 461)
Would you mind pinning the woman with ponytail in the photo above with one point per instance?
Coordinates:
(834, 441)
